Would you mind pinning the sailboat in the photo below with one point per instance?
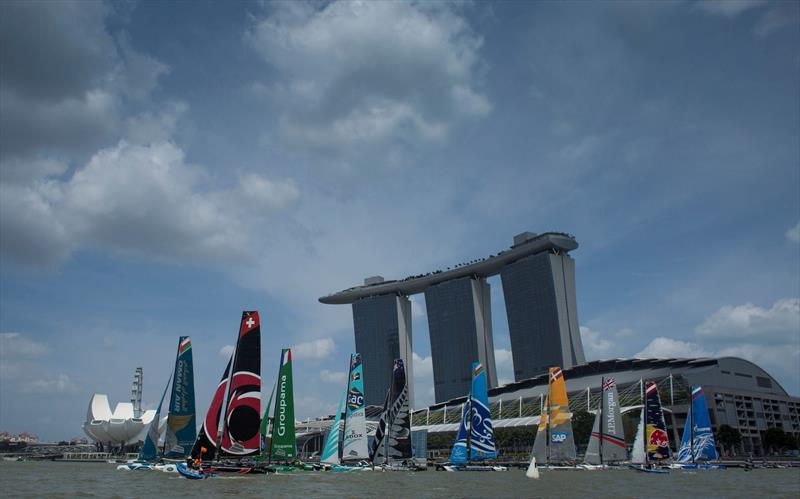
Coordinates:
(654, 438)
(475, 438)
(348, 451)
(148, 452)
(181, 430)
(240, 436)
(331, 451)
(392, 445)
(554, 441)
(697, 445)
(607, 441)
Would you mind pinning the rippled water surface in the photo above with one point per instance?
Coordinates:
(52, 479)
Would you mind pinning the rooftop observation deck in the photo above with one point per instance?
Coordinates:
(525, 244)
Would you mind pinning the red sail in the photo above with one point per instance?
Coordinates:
(206, 444)
(241, 431)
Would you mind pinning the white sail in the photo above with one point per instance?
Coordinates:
(637, 455)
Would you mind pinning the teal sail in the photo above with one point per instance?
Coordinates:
(181, 426)
(698, 439)
(330, 453)
(475, 434)
(354, 441)
(149, 450)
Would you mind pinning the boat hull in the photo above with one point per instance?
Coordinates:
(650, 470)
(462, 467)
(193, 474)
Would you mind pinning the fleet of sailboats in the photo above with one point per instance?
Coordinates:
(233, 443)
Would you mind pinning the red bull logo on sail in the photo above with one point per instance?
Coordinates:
(658, 438)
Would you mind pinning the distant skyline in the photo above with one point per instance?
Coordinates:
(166, 165)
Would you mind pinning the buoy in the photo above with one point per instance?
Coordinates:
(533, 471)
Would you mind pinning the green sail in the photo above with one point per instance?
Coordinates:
(284, 444)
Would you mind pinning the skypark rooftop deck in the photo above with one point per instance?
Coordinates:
(485, 267)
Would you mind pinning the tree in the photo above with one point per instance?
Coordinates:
(582, 422)
(777, 439)
(728, 437)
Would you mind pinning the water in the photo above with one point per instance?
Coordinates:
(51, 479)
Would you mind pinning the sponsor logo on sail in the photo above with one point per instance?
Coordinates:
(558, 437)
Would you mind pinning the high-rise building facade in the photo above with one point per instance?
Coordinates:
(382, 327)
(539, 292)
(460, 329)
(538, 279)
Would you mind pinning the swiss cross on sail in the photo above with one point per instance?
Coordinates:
(241, 430)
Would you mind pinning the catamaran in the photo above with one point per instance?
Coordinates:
(652, 445)
(348, 451)
(697, 445)
(239, 438)
(181, 430)
(475, 439)
(392, 445)
(607, 441)
(555, 444)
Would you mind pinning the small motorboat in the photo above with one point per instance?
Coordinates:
(193, 474)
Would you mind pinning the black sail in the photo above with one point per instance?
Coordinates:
(393, 436)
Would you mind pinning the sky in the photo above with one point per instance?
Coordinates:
(166, 165)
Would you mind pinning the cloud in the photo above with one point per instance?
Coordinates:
(335, 377)
(423, 366)
(777, 323)
(663, 348)
(502, 357)
(778, 16)
(50, 386)
(350, 72)
(64, 92)
(314, 350)
(793, 234)
(728, 8)
(15, 347)
(595, 345)
(226, 351)
(140, 200)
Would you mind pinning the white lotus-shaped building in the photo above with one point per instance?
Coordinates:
(116, 428)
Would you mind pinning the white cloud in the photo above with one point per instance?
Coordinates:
(351, 71)
(423, 366)
(662, 347)
(728, 8)
(596, 346)
(793, 234)
(49, 386)
(15, 347)
(335, 377)
(503, 358)
(143, 200)
(779, 322)
(314, 350)
(226, 352)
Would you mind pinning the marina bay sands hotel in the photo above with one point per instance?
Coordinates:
(538, 278)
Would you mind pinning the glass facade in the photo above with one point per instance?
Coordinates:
(382, 324)
(459, 326)
(539, 292)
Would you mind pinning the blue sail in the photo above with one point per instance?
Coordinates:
(481, 435)
(149, 450)
(459, 453)
(698, 439)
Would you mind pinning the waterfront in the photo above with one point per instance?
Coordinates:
(55, 479)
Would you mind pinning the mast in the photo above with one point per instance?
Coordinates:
(691, 423)
(469, 427)
(275, 409)
(547, 428)
(602, 419)
(644, 431)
